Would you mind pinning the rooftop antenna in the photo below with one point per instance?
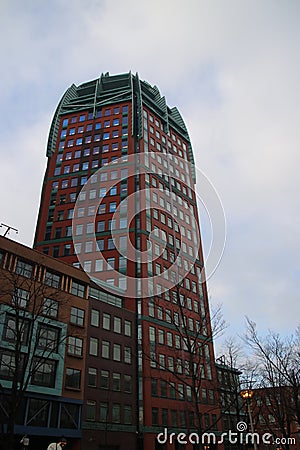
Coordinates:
(8, 228)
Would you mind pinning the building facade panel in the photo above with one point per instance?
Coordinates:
(41, 374)
(119, 185)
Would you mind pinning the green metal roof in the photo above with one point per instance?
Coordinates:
(111, 89)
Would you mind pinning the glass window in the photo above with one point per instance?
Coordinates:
(83, 180)
(169, 339)
(90, 410)
(50, 307)
(116, 413)
(113, 190)
(20, 298)
(94, 343)
(79, 230)
(95, 318)
(104, 379)
(112, 207)
(123, 242)
(162, 361)
(111, 244)
(47, 338)
(25, 269)
(103, 412)
(100, 226)
(73, 378)
(67, 249)
(127, 355)
(98, 265)
(154, 387)
(78, 289)
(55, 251)
(127, 328)
(103, 176)
(100, 245)
(112, 224)
(110, 263)
(52, 279)
(105, 349)
(38, 412)
(117, 352)
(75, 346)
(15, 330)
(90, 227)
(87, 266)
(102, 192)
(102, 208)
(7, 365)
(44, 373)
(59, 159)
(154, 416)
(117, 325)
(106, 321)
(92, 377)
(161, 336)
(128, 384)
(128, 414)
(77, 316)
(163, 388)
(116, 382)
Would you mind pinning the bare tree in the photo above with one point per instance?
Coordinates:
(30, 339)
(192, 354)
(235, 373)
(279, 377)
(229, 382)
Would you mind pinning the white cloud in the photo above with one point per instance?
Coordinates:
(231, 67)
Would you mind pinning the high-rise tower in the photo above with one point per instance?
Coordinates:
(118, 200)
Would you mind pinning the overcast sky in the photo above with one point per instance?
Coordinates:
(232, 69)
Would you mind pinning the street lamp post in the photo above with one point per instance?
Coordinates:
(247, 395)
